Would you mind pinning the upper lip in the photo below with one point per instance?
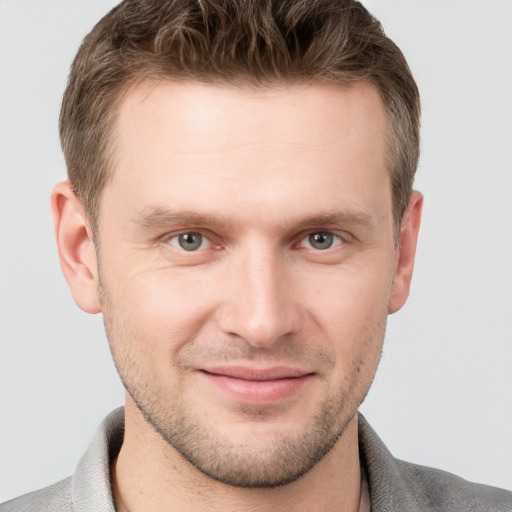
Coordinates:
(248, 373)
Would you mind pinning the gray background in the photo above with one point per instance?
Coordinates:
(442, 396)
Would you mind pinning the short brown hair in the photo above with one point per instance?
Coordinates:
(257, 42)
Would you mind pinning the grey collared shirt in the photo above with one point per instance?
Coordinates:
(394, 485)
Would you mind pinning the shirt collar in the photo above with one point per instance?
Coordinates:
(91, 486)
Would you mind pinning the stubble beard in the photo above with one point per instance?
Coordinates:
(276, 462)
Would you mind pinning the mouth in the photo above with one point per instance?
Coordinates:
(255, 385)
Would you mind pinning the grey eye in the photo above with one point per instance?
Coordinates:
(321, 241)
(190, 241)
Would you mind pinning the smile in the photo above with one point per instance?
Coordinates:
(258, 386)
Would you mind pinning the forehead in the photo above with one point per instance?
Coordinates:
(211, 117)
(262, 145)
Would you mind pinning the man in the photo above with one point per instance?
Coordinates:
(240, 209)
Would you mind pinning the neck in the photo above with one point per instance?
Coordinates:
(149, 474)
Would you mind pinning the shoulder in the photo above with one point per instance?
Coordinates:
(89, 488)
(400, 486)
(439, 490)
(54, 498)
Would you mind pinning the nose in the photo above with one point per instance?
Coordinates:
(259, 304)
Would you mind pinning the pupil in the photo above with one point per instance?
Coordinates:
(321, 240)
(190, 241)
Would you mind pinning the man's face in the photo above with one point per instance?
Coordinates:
(246, 267)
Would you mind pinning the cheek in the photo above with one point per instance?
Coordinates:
(162, 309)
(348, 299)
(352, 314)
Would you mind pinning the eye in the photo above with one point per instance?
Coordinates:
(321, 240)
(189, 241)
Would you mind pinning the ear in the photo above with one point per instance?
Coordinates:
(75, 244)
(406, 252)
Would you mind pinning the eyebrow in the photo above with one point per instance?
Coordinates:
(158, 217)
(326, 219)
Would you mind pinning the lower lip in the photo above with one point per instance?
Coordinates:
(258, 391)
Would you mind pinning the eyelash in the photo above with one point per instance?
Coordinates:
(176, 237)
(337, 241)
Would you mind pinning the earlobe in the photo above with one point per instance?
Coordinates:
(75, 245)
(406, 252)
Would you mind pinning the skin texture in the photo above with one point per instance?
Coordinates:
(246, 358)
